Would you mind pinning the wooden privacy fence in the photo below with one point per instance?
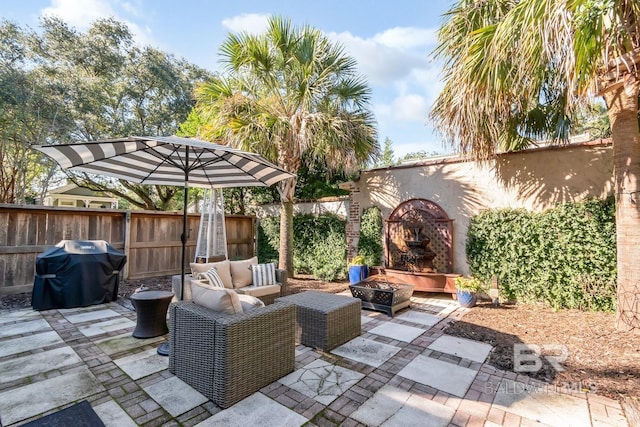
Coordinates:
(150, 239)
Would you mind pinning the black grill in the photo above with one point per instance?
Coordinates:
(77, 273)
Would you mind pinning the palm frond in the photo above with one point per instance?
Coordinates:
(289, 93)
(518, 71)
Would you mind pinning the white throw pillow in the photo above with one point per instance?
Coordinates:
(263, 274)
(249, 303)
(241, 272)
(212, 277)
(219, 299)
(222, 268)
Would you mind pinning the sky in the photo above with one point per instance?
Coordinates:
(391, 41)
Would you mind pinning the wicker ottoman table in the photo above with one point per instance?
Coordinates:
(325, 320)
(151, 313)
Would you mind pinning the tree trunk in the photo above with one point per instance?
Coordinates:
(285, 261)
(622, 104)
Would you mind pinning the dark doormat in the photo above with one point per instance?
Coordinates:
(79, 415)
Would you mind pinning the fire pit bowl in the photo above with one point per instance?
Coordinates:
(383, 296)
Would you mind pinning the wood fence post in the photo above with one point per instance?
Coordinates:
(127, 242)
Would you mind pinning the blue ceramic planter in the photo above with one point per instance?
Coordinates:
(357, 273)
(466, 299)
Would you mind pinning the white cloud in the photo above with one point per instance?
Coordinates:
(378, 62)
(405, 82)
(253, 23)
(81, 13)
(410, 108)
(131, 8)
(429, 81)
(405, 38)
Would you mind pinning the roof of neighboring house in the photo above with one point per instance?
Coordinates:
(73, 190)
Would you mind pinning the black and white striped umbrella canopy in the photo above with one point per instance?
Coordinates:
(167, 160)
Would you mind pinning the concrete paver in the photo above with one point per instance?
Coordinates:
(115, 324)
(40, 397)
(89, 316)
(400, 371)
(19, 315)
(124, 342)
(112, 415)
(366, 351)
(30, 326)
(142, 364)
(435, 373)
(31, 342)
(461, 347)
(396, 331)
(322, 381)
(37, 363)
(419, 317)
(391, 406)
(175, 396)
(547, 407)
(255, 410)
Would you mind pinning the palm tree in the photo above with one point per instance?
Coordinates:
(516, 71)
(287, 94)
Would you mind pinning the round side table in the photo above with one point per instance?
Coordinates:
(151, 313)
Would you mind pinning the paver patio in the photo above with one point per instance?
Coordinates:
(400, 371)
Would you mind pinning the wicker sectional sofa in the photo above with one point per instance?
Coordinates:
(229, 357)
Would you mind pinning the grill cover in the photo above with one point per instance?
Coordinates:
(77, 273)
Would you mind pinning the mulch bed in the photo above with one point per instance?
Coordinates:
(600, 359)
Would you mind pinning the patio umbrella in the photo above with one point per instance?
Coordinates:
(168, 160)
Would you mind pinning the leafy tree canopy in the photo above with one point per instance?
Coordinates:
(63, 85)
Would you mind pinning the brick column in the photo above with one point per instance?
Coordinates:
(353, 221)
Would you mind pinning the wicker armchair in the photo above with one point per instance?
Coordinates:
(229, 357)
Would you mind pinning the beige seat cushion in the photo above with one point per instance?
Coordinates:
(241, 272)
(259, 291)
(216, 299)
(221, 267)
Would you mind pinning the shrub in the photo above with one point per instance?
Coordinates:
(269, 239)
(358, 260)
(370, 243)
(470, 284)
(319, 244)
(565, 257)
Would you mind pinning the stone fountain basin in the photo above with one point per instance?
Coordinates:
(421, 281)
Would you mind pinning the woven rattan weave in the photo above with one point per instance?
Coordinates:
(325, 320)
(229, 357)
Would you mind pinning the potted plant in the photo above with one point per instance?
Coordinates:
(358, 270)
(467, 289)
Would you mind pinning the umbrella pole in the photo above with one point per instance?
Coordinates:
(164, 349)
(183, 238)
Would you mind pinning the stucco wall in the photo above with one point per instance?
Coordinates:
(535, 180)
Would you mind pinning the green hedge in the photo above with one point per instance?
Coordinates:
(565, 257)
(370, 242)
(319, 244)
